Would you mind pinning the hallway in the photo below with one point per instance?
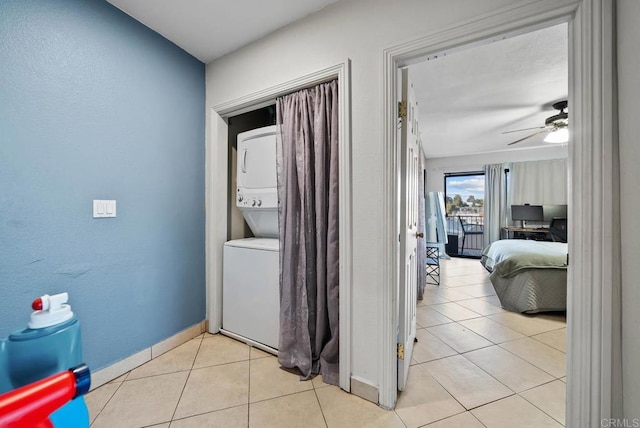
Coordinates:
(475, 365)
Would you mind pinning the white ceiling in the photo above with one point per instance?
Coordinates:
(208, 29)
(468, 98)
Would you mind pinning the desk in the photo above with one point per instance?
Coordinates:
(511, 232)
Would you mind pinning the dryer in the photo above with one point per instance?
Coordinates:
(257, 187)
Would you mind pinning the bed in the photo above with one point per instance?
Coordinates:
(528, 276)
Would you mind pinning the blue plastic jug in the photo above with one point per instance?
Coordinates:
(50, 344)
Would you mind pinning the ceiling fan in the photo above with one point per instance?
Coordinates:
(554, 125)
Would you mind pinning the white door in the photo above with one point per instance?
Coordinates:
(408, 124)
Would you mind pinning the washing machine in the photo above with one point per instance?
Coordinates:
(251, 291)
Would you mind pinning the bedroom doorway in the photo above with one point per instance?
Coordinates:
(487, 343)
(593, 382)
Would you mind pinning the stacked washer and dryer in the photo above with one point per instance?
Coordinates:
(251, 270)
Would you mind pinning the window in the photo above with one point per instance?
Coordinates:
(464, 193)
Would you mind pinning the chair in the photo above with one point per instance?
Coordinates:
(469, 229)
(558, 229)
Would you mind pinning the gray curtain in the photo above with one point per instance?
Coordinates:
(495, 204)
(308, 219)
(422, 243)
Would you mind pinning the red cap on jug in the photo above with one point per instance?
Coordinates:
(37, 304)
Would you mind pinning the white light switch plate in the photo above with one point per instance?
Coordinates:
(104, 208)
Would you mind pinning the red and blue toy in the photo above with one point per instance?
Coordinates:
(35, 379)
(32, 405)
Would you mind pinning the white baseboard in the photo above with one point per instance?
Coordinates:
(365, 390)
(115, 370)
(121, 367)
(177, 339)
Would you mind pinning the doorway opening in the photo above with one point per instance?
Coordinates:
(462, 119)
(592, 382)
(464, 205)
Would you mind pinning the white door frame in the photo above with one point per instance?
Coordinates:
(594, 388)
(216, 153)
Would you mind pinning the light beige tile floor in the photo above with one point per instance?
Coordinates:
(474, 365)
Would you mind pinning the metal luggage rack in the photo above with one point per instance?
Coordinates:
(433, 263)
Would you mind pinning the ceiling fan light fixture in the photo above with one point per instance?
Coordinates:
(556, 126)
(558, 136)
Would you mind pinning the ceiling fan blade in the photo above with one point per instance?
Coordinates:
(525, 129)
(528, 136)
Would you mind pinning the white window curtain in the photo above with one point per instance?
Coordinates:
(495, 206)
(538, 182)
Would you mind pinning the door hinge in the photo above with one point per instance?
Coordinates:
(400, 351)
(402, 109)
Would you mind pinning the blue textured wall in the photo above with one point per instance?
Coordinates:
(93, 105)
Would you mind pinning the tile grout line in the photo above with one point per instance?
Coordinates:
(515, 355)
(494, 343)
(221, 364)
(482, 370)
(540, 368)
(215, 365)
(108, 401)
(156, 375)
(555, 378)
(518, 331)
(538, 340)
(186, 380)
(315, 392)
(432, 422)
(465, 328)
(462, 307)
(489, 374)
(279, 396)
(542, 384)
(429, 306)
(400, 419)
(200, 414)
(458, 401)
(497, 344)
(538, 407)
